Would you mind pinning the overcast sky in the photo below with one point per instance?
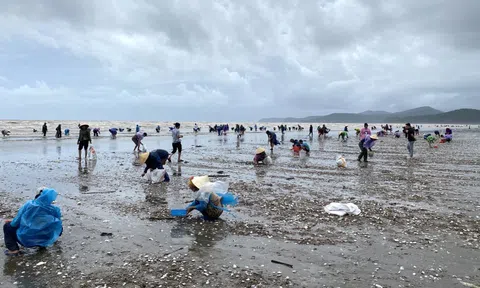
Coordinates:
(202, 60)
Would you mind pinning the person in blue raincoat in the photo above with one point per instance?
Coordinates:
(38, 224)
(113, 132)
(210, 198)
(154, 160)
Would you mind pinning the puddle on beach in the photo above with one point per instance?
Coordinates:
(419, 225)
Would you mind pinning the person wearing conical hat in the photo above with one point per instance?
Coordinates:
(366, 145)
(210, 197)
(261, 157)
(154, 160)
(84, 139)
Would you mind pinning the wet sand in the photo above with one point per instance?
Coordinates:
(419, 225)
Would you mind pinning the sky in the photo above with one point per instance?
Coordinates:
(238, 60)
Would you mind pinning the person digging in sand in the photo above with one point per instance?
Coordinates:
(154, 160)
(37, 224)
(210, 197)
(366, 145)
(261, 157)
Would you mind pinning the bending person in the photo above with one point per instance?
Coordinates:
(154, 160)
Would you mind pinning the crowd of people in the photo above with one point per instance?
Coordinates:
(38, 223)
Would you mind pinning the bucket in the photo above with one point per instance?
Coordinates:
(178, 212)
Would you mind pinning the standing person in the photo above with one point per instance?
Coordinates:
(44, 129)
(310, 134)
(256, 127)
(137, 139)
(365, 131)
(59, 131)
(83, 140)
(411, 138)
(366, 145)
(137, 128)
(345, 129)
(176, 142)
(157, 129)
(272, 139)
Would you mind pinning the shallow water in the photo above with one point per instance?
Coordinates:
(419, 214)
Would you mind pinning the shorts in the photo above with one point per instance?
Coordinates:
(135, 140)
(177, 146)
(83, 145)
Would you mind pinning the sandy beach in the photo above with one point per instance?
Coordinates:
(419, 226)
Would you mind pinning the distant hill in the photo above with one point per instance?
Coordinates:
(418, 115)
(460, 116)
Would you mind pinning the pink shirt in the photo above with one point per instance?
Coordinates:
(364, 132)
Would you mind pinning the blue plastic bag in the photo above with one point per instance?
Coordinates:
(39, 222)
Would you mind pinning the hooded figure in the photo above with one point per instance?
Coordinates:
(37, 224)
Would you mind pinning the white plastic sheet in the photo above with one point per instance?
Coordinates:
(156, 176)
(341, 209)
(92, 154)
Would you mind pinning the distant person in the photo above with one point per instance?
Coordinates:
(5, 133)
(448, 131)
(366, 145)
(38, 224)
(365, 132)
(113, 132)
(357, 132)
(397, 134)
(176, 142)
(96, 132)
(261, 157)
(84, 139)
(59, 131)
(44, 129)
(343, 135)
(411, 138)
(157, 128)
(137, 128)
(272, 139)
(256, 127)
(154, 160)
(430, 139)
(437, 133)
(304, 145)
(67, 132)
(310, 130)
(196, 129)
(345, 129)
(296, 147)
(35, 131)
(137, 139)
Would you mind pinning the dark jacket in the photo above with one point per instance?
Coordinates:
(155, 159)
(84, 135)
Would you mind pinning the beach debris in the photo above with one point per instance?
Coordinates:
(341, 162)
(106, 234)
(219, 172)
(341, 209)
(218, 176)
(469, 285)
(100, 192)
(41, 263)
(282, 263)
(290, 178)
(173, 251)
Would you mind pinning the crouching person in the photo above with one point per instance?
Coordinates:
(37, 224)
(210, 197)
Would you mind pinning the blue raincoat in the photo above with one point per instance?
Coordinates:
(39, 222)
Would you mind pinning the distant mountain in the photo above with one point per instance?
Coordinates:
(370, 112)
(418, 115)
(460, 116)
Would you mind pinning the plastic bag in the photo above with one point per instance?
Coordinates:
(157, 175)
(341, 209)
(268, 160)
(92, 154)
(143, 149)
(341, 162)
